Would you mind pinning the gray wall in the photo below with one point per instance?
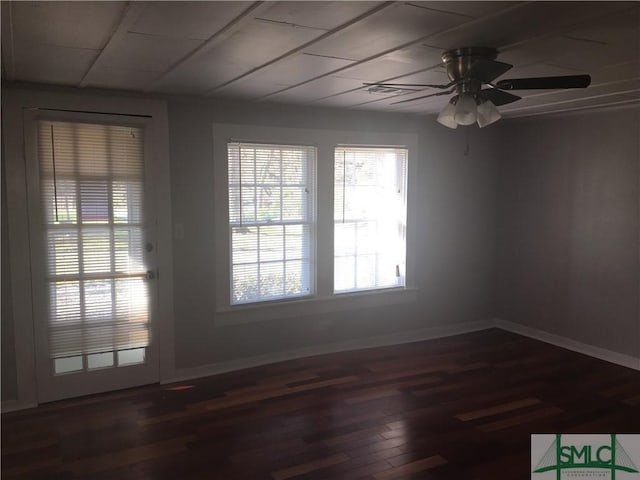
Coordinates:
(568, 243)
(455, 231)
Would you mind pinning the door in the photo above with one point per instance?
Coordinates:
(92, 252)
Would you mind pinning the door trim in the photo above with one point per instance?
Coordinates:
(14, 102)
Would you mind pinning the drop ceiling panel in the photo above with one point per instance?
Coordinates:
(351, 98)
(617, 28)
(435, 76)
(362, 96)
(317, 89)
(470, 9)
(197, 78)
(321, 15)
(390, 101)
(598, 56)
(575, 104)
(543, 50)
(148, 52)
(570, 96)
(344, 100)
(248, 88)
(428, 107)
(391, 28)
(612, 73)
(525, 23)
(66, 24)
(290, 71)
(197, 20)
(395, 64)
(121, 78)
(252, 46)
(419, 107)
(35, 62)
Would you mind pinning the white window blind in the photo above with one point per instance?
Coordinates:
(92, 185)
(370, 212)
(271, 219)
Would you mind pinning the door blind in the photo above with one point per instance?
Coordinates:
(92, 193)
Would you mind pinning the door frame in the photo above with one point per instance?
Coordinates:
(14, 103)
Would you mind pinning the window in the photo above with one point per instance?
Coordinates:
(310, 229)
(370, 212)
(271, 220)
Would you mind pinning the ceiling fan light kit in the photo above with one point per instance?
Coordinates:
(487, 113)
(447, 116)
(469, 69)
(466, 110)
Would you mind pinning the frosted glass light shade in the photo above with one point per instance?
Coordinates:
(466, 110)
(446, 116)
(487, 114)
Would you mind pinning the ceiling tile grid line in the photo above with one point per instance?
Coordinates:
(414, 4)
(300, 48)
(131, 13)
(215, 39)
(386, 52)
(499, 48)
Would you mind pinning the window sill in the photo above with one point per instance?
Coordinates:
(252, 313)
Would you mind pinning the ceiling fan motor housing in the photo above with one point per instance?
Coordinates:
(460, 60)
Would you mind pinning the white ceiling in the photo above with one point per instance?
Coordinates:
(320, 53)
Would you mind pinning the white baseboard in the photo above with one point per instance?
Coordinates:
(15, 405)
(356, 344)
(573, 345)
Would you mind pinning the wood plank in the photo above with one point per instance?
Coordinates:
(505, 407)
(411, 468)
(520, 419)
(309, 466)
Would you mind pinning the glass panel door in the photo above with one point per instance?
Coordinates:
(93, 256)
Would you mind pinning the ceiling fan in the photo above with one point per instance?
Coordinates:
(470, 69)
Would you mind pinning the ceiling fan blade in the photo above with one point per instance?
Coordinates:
(486, 70)
(425, 96)
(568, 81)
(400, 85)
(498, 97)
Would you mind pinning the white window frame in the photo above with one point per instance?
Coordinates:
(310, 215)
(402, 189)
(324, 300)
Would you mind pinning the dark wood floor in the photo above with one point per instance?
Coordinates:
(456, 408)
